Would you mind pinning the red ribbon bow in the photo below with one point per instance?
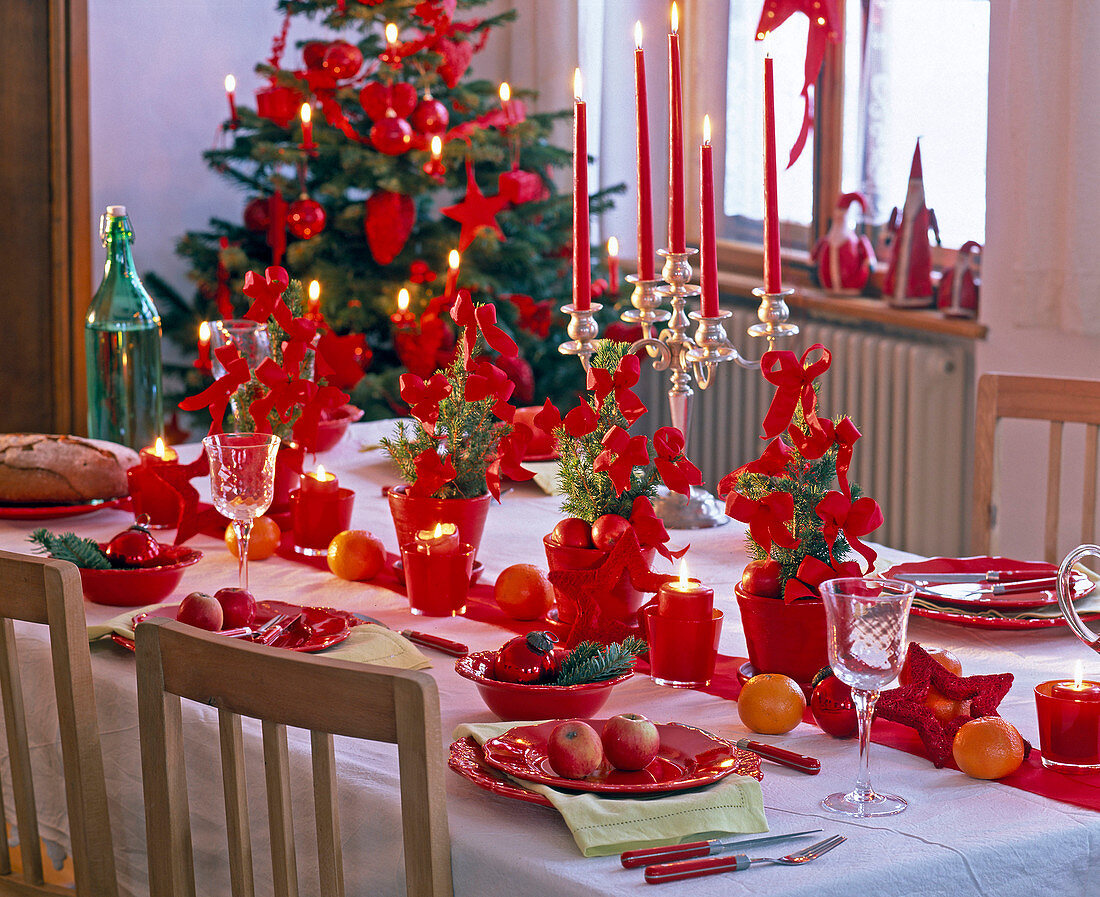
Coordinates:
(845, 436)
(484, 318)
(772, 462)
(216, 396)
(650, 529)
(811, 573)
(857, 518)
(423, 397)
(793, 378)
(621, 454)
(579, 422)
(432, 473)
(485, 381)
(677, 472)
(549, 419)
(767, 518)
(509, 460)
(621, 383)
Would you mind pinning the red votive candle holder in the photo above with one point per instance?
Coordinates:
(1069, 725)
(685, 600)
(437, 578)
(682, 652)
(319, 482)
(152, 498)
(318, 517)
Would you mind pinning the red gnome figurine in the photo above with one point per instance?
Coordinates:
(844, 258)
(909, 279)
(958, 292)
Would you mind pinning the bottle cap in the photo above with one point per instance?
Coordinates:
(116, 211)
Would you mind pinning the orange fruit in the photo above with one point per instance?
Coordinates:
(356, 555)
(261, 544)
(942, 656)
(944, 708)
(523, 592)
(771, 704)
(988, 748)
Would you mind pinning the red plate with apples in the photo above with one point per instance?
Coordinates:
(687, 758)
(468, 760)
(316, 629)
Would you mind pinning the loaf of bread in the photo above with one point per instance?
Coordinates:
(39, 469)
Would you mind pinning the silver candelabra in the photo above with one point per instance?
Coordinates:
(686, 358)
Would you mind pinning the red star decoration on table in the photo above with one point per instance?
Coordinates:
(905, 705)
(476, 212)
(584, 588)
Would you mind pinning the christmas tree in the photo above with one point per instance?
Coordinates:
(357, 199)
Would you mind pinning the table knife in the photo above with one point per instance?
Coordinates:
(443, 645)
(632, 859)
(809, 765)
(929, 577)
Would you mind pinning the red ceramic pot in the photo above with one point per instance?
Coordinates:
(288, 471)
(411, 514)
(784, 638)
(621, 603)
(145, 585)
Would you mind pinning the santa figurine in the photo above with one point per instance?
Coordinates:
(844, 258)
(959, 286)
(909, 278)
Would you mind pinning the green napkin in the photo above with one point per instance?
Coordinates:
(366, 643)
(606, 826)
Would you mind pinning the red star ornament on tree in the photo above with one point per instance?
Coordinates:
(906, 705)
(476, 212)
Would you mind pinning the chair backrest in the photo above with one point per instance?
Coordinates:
(1052, 399)
(41, 590)
(392, 706)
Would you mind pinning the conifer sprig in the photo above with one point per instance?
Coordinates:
(71, 547)
(590, 662)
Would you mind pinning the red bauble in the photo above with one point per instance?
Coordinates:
(381, 101)
(342, 60)
(833, 708)
(134, 547)
(278, 104)
(392, 136)
(403, 99)
(257, 215)
(527, 659)
(305, 218)
(388, 223)
(430, 116)
(313, 54)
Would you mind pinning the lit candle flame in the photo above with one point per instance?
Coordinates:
(158, 450)
(438, 531)
(403, 300)
(307, 113)
(314, 291)
(637, 35)
(437, 147)
(230, 84)
(613, 247)
(505, 92)
(391, 33)
(684, 584)
(1078, 674)
(675, 19)
(706, 130)
(320, 473)
(204, 333)
(453, 258)
(576, 84)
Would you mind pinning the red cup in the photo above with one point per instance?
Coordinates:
(437, 582)
(1069, 728)
(318, 517)
(152, 498)
(682, 652)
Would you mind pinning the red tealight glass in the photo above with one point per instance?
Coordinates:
(437, 581)
(685, 601)
(318, 516)
(682, 652)
(1069, 725)
(152, 498)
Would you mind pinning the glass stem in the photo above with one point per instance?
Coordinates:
(865, 707)
(244, 533)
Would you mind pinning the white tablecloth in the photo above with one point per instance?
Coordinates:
(958, 837)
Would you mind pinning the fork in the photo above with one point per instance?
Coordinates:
(711, 865)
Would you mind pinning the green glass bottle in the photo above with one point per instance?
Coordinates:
(122, 346)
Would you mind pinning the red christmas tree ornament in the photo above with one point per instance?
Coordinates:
(313, 54)
(278, 104)
(402, 99)
(257, 216)
(909, 278)
(519, 186)
(843, 258)
(305, 218)
(476, 212)
(392, 136)
(456, 59)
(959, 286)
(381, 100)
(342, 60)
(389, 221)
(430, 116)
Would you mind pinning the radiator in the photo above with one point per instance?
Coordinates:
(911, 399)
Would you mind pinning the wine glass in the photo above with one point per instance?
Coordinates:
(250, 338)
(867, 619)
(242, 482)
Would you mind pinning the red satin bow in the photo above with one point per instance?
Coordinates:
(767, 518)
(811, 574)
(845, 436)
(677, 472)
(267, 295)
(771, 463)
(814, 442)
(793, 378)
(432, 473)
(216, 396)
(484, 318)
(580, 421)
(549, 419)
(509, 460)
(621, 454)
(857, 518)
(423, 397)
(650, 529)
(621, 383)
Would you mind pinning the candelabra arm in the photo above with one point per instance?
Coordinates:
(657, 349)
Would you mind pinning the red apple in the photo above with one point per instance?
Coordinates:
(572, 532)
(201, 610)
(607, 530)
(761, 578)
(630, 741)
(574, 749)
(238, 605)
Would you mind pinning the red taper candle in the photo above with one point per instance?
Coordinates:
(675, 141)
(773, 281)
(645, 187)
(453, 261)
(230, 87)
(307, 128)
(582, 250)
(708, 246)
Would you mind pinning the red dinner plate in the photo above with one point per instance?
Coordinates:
(968, 596)
(468, 760)
(688, 758)
(984, 621)
(52, 512)
(319, 628)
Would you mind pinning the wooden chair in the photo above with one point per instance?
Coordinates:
(40, 590)
(392, 706)
(1051, 399)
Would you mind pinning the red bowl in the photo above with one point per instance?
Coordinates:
(512, 700)
(136, 588)
(331, 431)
